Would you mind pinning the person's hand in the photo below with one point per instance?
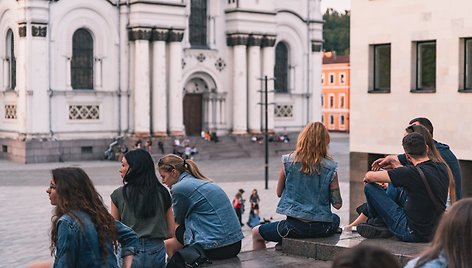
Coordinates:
(376, 165)
(388, 162)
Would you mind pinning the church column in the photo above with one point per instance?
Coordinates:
(142, 108)
(316, 66)
(268, 63)
(239, 42)
(254, 83)
(159, 83)
(175, 100)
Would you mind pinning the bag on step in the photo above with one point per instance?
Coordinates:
(188, 257)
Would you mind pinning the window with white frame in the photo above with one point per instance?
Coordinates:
(11, 60)
(82, 60)
(331, 78)
(342, 78)
(198, 23)
(341, 101)
(381, 69)
(331, 101)
(322, 79)
(281, 68)
(342, 120)
(425, 66)
(331, 120)
(322, 100)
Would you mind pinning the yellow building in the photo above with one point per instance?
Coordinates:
(335, 92)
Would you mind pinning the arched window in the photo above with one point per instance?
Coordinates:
(11, 60)
(281, 68)
(82, 60)
(198, 23)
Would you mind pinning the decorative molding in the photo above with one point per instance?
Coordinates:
(10, 111)
(183, 64)
(283, 110)
(160, 35)
(201, 57)
(84, 112)
(254, 40)
(237, 39)
(268, 41)
(316, 45)
(22, 30)
(39, 31)
(139, 34)
(220, 64)
(175, 35)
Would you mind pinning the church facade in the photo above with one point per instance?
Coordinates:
(76, 74)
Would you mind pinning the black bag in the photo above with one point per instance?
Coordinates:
(188, 257)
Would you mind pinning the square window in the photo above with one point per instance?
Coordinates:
(86, 149)
(381, 72)
(426, 66)
(4, 149)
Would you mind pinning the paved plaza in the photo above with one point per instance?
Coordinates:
(25, 213)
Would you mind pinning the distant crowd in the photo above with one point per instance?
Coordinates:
(186, 220)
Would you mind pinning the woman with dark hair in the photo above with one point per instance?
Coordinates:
(452, 240)
(202, 210)
(307, 186)
(83, 233)
(144, 204)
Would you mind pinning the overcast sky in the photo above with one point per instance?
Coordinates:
(339, 5)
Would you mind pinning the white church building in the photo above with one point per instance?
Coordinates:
(75, 74)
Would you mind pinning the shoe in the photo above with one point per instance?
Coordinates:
(377, 222)
(370, 231)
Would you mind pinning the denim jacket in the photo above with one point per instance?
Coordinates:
(78, 246)
(439, 262)
(307, 197)
(206, 211)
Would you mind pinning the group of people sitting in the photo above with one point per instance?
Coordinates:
(150, 223)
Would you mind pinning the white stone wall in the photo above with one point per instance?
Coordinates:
(44, 93)
(378, 120)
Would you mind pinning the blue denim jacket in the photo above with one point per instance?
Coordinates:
(206, 211)
(307, 197)
(78, 246)
(439, 262)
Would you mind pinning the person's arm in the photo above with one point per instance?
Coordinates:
(128, 239)
(335, 193)
(281, 181)
(171, 226)
(114, 211)
(388, 162)
(377, 176)
(67, 242)
(180, 205)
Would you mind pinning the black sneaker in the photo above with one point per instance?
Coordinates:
(370, 231)
(377, 222)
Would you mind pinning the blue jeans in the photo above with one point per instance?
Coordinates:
(295, 228)
(151, 253)
(381, 205)
(397, 194)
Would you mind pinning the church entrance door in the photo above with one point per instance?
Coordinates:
(193, 114)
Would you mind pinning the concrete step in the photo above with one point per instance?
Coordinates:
(268, 258)
(326, 249)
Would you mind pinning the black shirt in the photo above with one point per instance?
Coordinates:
(420, 210)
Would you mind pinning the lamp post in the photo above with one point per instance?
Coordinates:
(265, 104)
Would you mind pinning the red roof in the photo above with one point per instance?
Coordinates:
(336, 59)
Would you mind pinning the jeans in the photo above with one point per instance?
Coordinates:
(398, 194)
(295, 228)
(150, 253)
(381, 205)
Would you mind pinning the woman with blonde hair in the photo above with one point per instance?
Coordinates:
(307, 184)
(203, 212)
(452, 240)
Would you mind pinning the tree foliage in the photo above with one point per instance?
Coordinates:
(336, 31)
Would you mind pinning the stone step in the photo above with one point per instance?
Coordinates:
(268, 258)
(326, 249)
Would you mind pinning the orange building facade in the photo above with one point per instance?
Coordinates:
(335, 90)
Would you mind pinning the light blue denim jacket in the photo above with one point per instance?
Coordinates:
(78, 246)
(206, 211)
(439, 262)
(307, 196)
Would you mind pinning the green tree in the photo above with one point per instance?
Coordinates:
(336, 31)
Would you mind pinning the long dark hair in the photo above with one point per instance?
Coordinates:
(453, 237)
(75, 192)
(142, 190)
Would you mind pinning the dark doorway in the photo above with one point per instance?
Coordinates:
(193, 114)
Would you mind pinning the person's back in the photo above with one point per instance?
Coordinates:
(206, 211)
(307, 196)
